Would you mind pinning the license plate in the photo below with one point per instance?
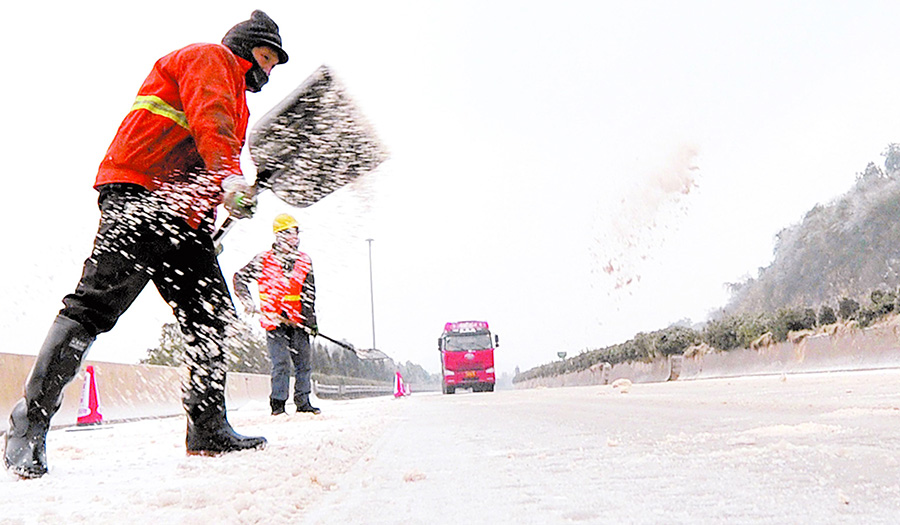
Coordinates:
(470, 374)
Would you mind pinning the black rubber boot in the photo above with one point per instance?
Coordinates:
(210, 434)
(277, 406)
(57, 363)
(208, 430)
(303, 405)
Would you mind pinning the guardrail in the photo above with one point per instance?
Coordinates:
(346, 391)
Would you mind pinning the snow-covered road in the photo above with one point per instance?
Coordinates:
(815, 448)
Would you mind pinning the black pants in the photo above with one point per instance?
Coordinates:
(138, 242)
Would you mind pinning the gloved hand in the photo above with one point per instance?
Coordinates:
(313, 330)
(239, 199)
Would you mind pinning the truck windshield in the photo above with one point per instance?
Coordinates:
(464, 342)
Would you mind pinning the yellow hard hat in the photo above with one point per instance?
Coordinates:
(282, 222)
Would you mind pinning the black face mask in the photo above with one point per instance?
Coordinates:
(256, 78)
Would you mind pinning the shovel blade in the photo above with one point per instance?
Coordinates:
(315, 141)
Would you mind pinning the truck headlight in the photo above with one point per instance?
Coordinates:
(489, 370)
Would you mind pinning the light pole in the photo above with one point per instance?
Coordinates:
(371, 292)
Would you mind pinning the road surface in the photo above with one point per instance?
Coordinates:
(813, 448)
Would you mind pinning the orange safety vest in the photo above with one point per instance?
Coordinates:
(281, 294)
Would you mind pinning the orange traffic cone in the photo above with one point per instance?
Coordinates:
(89, 408)
(398, 385)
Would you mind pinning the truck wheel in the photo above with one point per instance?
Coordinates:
(489, 387)
(448, 389)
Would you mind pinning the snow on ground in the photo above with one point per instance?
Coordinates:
(812, 448)
(816, 448)
(139, 473)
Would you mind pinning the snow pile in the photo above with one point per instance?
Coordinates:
(622, 384)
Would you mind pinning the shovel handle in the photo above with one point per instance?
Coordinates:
(335, 341)
(226, 226)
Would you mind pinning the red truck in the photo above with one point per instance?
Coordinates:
(467, 356)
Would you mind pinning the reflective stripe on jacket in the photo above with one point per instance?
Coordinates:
(185, 130)
(281, 294)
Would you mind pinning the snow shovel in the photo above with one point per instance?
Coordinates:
(310, 144)
(368, 353)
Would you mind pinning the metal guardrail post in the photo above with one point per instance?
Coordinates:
(351, 390)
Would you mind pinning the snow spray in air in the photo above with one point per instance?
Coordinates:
(648, 208)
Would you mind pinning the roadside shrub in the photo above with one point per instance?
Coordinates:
(791, 319)
(675, 340)
(642, 347)
(847, 309)
(721, 334)
(883, 302)
(826, 315)
(809, 318)
(735, 331)
(867, 316)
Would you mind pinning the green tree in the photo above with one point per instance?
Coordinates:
(413, 373)
(846, 247)
(170, 351)
(245, 348)
(891, 156)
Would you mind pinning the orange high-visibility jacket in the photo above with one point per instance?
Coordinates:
(185, 130)
(282, 294)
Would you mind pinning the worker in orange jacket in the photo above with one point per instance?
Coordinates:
(287, 295)
(174, 158)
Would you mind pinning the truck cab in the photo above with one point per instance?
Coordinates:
(467, 356)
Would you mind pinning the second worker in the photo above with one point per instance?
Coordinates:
(287, 295)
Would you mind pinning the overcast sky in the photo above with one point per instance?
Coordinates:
(571, 172)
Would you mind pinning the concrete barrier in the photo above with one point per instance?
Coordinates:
(839, 347)
(604, 374)
(125, 391)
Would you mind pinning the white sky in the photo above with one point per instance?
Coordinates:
(534, 144)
